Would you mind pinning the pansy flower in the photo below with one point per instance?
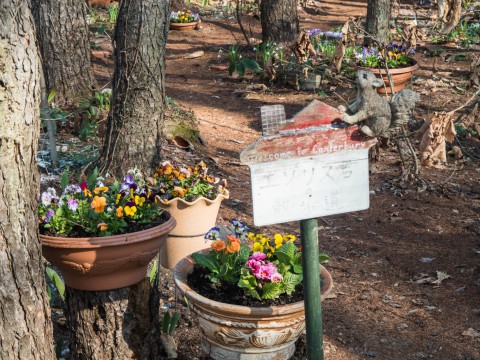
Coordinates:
(130, 208)
(99, 203)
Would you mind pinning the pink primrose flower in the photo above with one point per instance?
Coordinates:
(257, 256)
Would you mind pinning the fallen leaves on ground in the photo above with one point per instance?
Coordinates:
(433, 135)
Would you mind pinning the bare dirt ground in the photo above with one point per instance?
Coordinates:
(381, 307)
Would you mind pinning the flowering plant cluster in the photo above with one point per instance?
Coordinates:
(264, 267)
(174, 181)
(96, 208)
(394, 55)
(184, 16)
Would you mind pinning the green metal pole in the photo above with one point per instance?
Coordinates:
(311, 288)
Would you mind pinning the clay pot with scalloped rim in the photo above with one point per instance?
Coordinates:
(235, 332)
(194, 220)
(106, 263)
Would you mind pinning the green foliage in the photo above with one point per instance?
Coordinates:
(54, 113)
(239, 64)
(169, 323)
(153, 272)
(56, 281)
(113, 13)
(94, 109)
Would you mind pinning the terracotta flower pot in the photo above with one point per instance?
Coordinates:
(105, 263)
(194, 220)
(400, 77)
(234, 332)
(183, 26)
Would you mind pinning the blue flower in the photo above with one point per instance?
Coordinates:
(46, 198)
(213, 234)
(49, 214)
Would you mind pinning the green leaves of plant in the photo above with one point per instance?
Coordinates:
(56, 281)
(286, 253)
(251, 65)
(207, 261)
(169, 323)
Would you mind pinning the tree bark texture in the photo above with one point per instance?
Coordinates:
(25, 327)
(116, 324)
(279, 20)
(136, 118)
(63, 36)
(378, 16)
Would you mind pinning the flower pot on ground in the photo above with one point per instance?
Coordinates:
(400, 65)
(242, 332)
(102, 234)
(183, 26)
(193, 198)
(400, 77)
(231, 331)
(183, 20)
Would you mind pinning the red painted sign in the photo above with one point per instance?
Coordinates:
(316, 130)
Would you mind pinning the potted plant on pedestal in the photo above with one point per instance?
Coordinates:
(398, 60)
(193, 197)
(183, 20)
(247, 293)
(102, 234)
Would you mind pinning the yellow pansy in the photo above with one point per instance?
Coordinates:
(278, 240)
(130, 210)
(139, 200)
(100, 189)
(257, 247)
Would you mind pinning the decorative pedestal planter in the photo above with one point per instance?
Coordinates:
(400, 77)
(183, 26)
(234, 332)
(105, 263)
(194, 220)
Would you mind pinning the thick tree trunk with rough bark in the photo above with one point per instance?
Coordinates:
(135, 121)
(64, 42)
(25, 327)
(378, 16)
(116, 324)
(279, 20)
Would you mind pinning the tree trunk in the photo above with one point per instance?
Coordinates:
(25, 327)
(116, 324)
(63, 35)
(378, 16)
(279, 20)
(135, 122)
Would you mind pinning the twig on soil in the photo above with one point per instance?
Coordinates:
(229, 127)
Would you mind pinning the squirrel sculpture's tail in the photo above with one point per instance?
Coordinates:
(402, 104)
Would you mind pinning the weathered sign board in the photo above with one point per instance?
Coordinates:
(312, 166)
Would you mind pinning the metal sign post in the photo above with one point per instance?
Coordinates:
(302, 169)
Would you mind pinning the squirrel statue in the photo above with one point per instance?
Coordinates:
(380, 117)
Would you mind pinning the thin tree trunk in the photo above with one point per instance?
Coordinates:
(64, 42)
(136, 118)
(378, 16)
(117, 324)
(279, 20)
(25, 327)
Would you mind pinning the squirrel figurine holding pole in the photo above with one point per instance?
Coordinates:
(379, 117)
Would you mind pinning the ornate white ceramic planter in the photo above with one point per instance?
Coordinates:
(233, 332)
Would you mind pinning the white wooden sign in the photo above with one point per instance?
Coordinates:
(305, 188)
(309, 168)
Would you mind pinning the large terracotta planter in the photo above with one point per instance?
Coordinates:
(234, 332)
(400, 77)
(194, 220)
(105, 263)
(183, 26)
